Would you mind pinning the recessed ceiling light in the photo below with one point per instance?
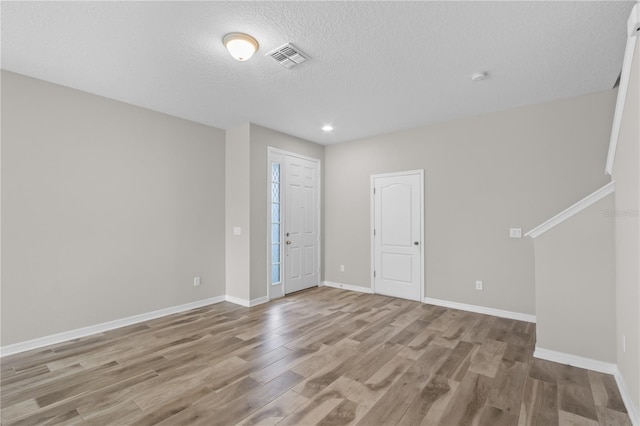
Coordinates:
(327, 128)
(479, 76)
(241, 46)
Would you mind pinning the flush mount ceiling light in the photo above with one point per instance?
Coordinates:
(241, 46)
(327, 128)
(479, 76)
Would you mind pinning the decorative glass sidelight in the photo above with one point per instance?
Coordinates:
(276, 238)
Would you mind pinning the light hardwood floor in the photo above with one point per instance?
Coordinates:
(323, 356)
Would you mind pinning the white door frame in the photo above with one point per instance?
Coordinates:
(419, 172)
(275, 155)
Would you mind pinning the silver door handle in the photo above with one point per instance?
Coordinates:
(288, 242)
(415, 243)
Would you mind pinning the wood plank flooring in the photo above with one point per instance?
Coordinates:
(323, 356)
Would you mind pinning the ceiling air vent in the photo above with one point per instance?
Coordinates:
(288, 55)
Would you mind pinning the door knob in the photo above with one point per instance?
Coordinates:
(415, 243)
(288, 242)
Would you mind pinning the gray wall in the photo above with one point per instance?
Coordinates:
(246, 204)
(261, 139)
(108, 210)
(237, 205)
(627, 231)
(575, 285)
(483, 175)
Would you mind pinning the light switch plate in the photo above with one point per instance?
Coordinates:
(237, 230)
(515, 232)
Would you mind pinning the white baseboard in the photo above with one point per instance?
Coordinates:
(105, 326)
(237, 300)
(481, 310)
(444, 303)
(595, 365)
(346, 287)
(575, 360)
(632, 410)
(246, 303)
(259, 301)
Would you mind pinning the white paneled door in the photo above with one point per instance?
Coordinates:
(301, 224)
(397, 234)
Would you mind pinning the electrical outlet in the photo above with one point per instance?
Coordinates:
(196, 281)
(341, 268)
(478, 285)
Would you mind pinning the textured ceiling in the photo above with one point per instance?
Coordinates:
(376, 67)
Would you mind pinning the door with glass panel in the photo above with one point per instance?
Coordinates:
(295, 223)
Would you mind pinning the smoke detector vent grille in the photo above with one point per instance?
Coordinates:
(288, 55)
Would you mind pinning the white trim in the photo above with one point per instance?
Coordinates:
(595, 365)
(273, 150)
(246, 303)
(632, 30)
(259, 301)
(573, 210)
(237, 300)
(372, 224)
(105, 326)
(575, 360)
(349, 287)
(481, 310)
(445, 303)
(626, 398)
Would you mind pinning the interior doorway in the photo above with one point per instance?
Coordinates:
(397, 210)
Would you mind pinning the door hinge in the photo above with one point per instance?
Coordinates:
(374, 274)
(374, 190)
(374, 232)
